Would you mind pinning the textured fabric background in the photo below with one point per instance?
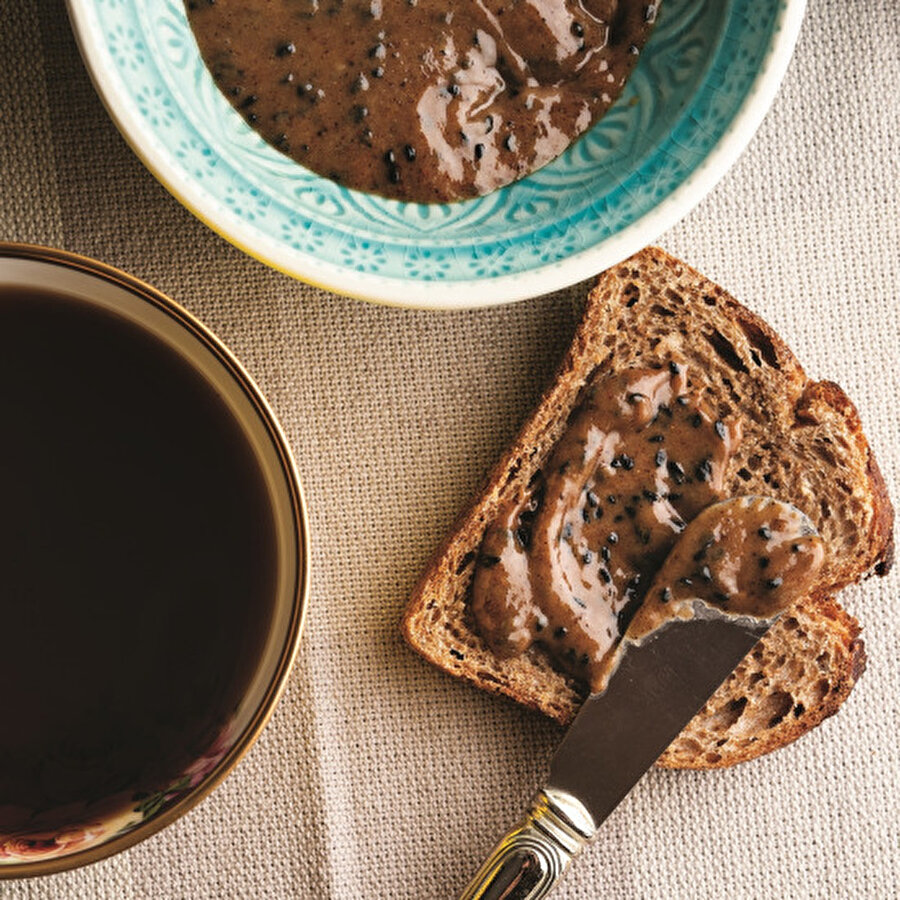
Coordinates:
(379, 776)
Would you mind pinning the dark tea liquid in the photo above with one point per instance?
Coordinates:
(137, 560)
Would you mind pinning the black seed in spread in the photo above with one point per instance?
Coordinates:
(764, 532)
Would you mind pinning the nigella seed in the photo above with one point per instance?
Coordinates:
(456, 654)
(701, 553)
(587, 557)
(660, 458)
(360, 112)
(248, 101)
(252, 118)
(577, 29)
(611, 498)
(598, 512)
(674, 368)
(613, 538)
(410, 152)
(696, 420)
(510, 143)
(584, 659)
(666, 595)
(705, 574)
(540, 623)
(523, 536)
(488, 124)
(765, 532)
(719, 426)
(652, 496)
(764, 562)
(634, 50)
(656, 439)
(604, 575)
(286, 49)
(586, 515)
(630, 511)
(592, 498)
(650, 12)
(681, 400)
(795, 548)
(390, 158)
(676, 470)
(453, 89)
(685, 581)
(704, 470)
(394, 175)
(479, 151)
(578, 601)
(560, 632)
(488, 561)
(678, 524)
(773, 583)
(719, 597)
(567, 531)
(605, 554)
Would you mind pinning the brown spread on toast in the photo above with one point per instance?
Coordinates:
(569, 564)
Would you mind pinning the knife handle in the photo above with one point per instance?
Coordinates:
(528, 861)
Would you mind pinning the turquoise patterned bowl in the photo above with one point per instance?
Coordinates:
(706, 78)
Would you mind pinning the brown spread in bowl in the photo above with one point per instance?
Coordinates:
(419, 100)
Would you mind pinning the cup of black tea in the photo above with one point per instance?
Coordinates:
(153, 561)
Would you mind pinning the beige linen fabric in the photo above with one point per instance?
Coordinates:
(379, 777)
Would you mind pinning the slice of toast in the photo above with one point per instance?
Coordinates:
(802, 442)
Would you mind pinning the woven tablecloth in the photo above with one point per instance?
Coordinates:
(378, 776)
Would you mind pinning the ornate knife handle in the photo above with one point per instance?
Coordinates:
(528, 862)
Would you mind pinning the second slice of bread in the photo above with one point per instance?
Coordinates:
(802, 443)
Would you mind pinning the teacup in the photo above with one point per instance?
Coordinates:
(155, 576)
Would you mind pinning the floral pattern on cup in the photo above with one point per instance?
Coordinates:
(40, 844)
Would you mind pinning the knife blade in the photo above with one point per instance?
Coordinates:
(684, 642)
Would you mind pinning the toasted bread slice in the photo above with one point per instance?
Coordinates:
(802, 443)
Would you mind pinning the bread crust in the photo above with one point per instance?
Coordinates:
(437, 622)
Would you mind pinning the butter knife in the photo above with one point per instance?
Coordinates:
(657, 689)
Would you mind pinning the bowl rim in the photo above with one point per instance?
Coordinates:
(300, 541)
(463, 293)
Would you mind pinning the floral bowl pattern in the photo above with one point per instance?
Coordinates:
(706, 78)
